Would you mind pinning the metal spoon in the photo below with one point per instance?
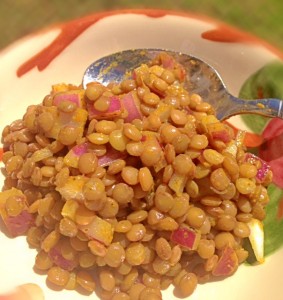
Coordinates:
(201, 79)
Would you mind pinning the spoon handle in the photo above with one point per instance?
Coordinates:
(269, 107)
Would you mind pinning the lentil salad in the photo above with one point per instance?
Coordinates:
(127, 189)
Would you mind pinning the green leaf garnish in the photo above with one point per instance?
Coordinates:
(265, 83)
(273, 226)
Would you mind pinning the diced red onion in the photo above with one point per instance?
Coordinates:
(58, 259)
(19, 224)
(131, 107)
(115, 108)
(75, 98)
(185, 237)
(219, 131)
(110, 156)
(80, 149)
(265, 167)
(167, 61)
(227, 263)
(222, 135)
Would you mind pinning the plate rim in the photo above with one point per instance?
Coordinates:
(134, 11)
(150, 12)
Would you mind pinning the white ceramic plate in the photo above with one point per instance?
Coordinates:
(61, 53)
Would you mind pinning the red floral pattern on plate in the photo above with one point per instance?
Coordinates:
(71, 30)
(271, 149)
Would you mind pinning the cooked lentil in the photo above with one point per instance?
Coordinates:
(107, 189)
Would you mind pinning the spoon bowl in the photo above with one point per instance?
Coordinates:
(201, 78)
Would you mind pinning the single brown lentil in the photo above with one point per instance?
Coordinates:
(58, 276)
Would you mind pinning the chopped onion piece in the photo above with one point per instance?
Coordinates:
(232, 149)
(131, 107)
(162, 163)
(163, 111)
(69, 209)
(115, 109)
(240, 137)
(59, 260)
(177, 183)
(72, 96)
(186, 237)
(72, 157)
(77, 119)
(73, 188)
(257, 239)
(99, 230)
(16, 225)
(227, 264)
(263, 170)
(41, 154)
(168, 62)
(219, 131)
(19, 224)
(110, 156)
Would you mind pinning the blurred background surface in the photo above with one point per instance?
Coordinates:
(263, 18)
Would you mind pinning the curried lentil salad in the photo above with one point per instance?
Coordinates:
(127, 189)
